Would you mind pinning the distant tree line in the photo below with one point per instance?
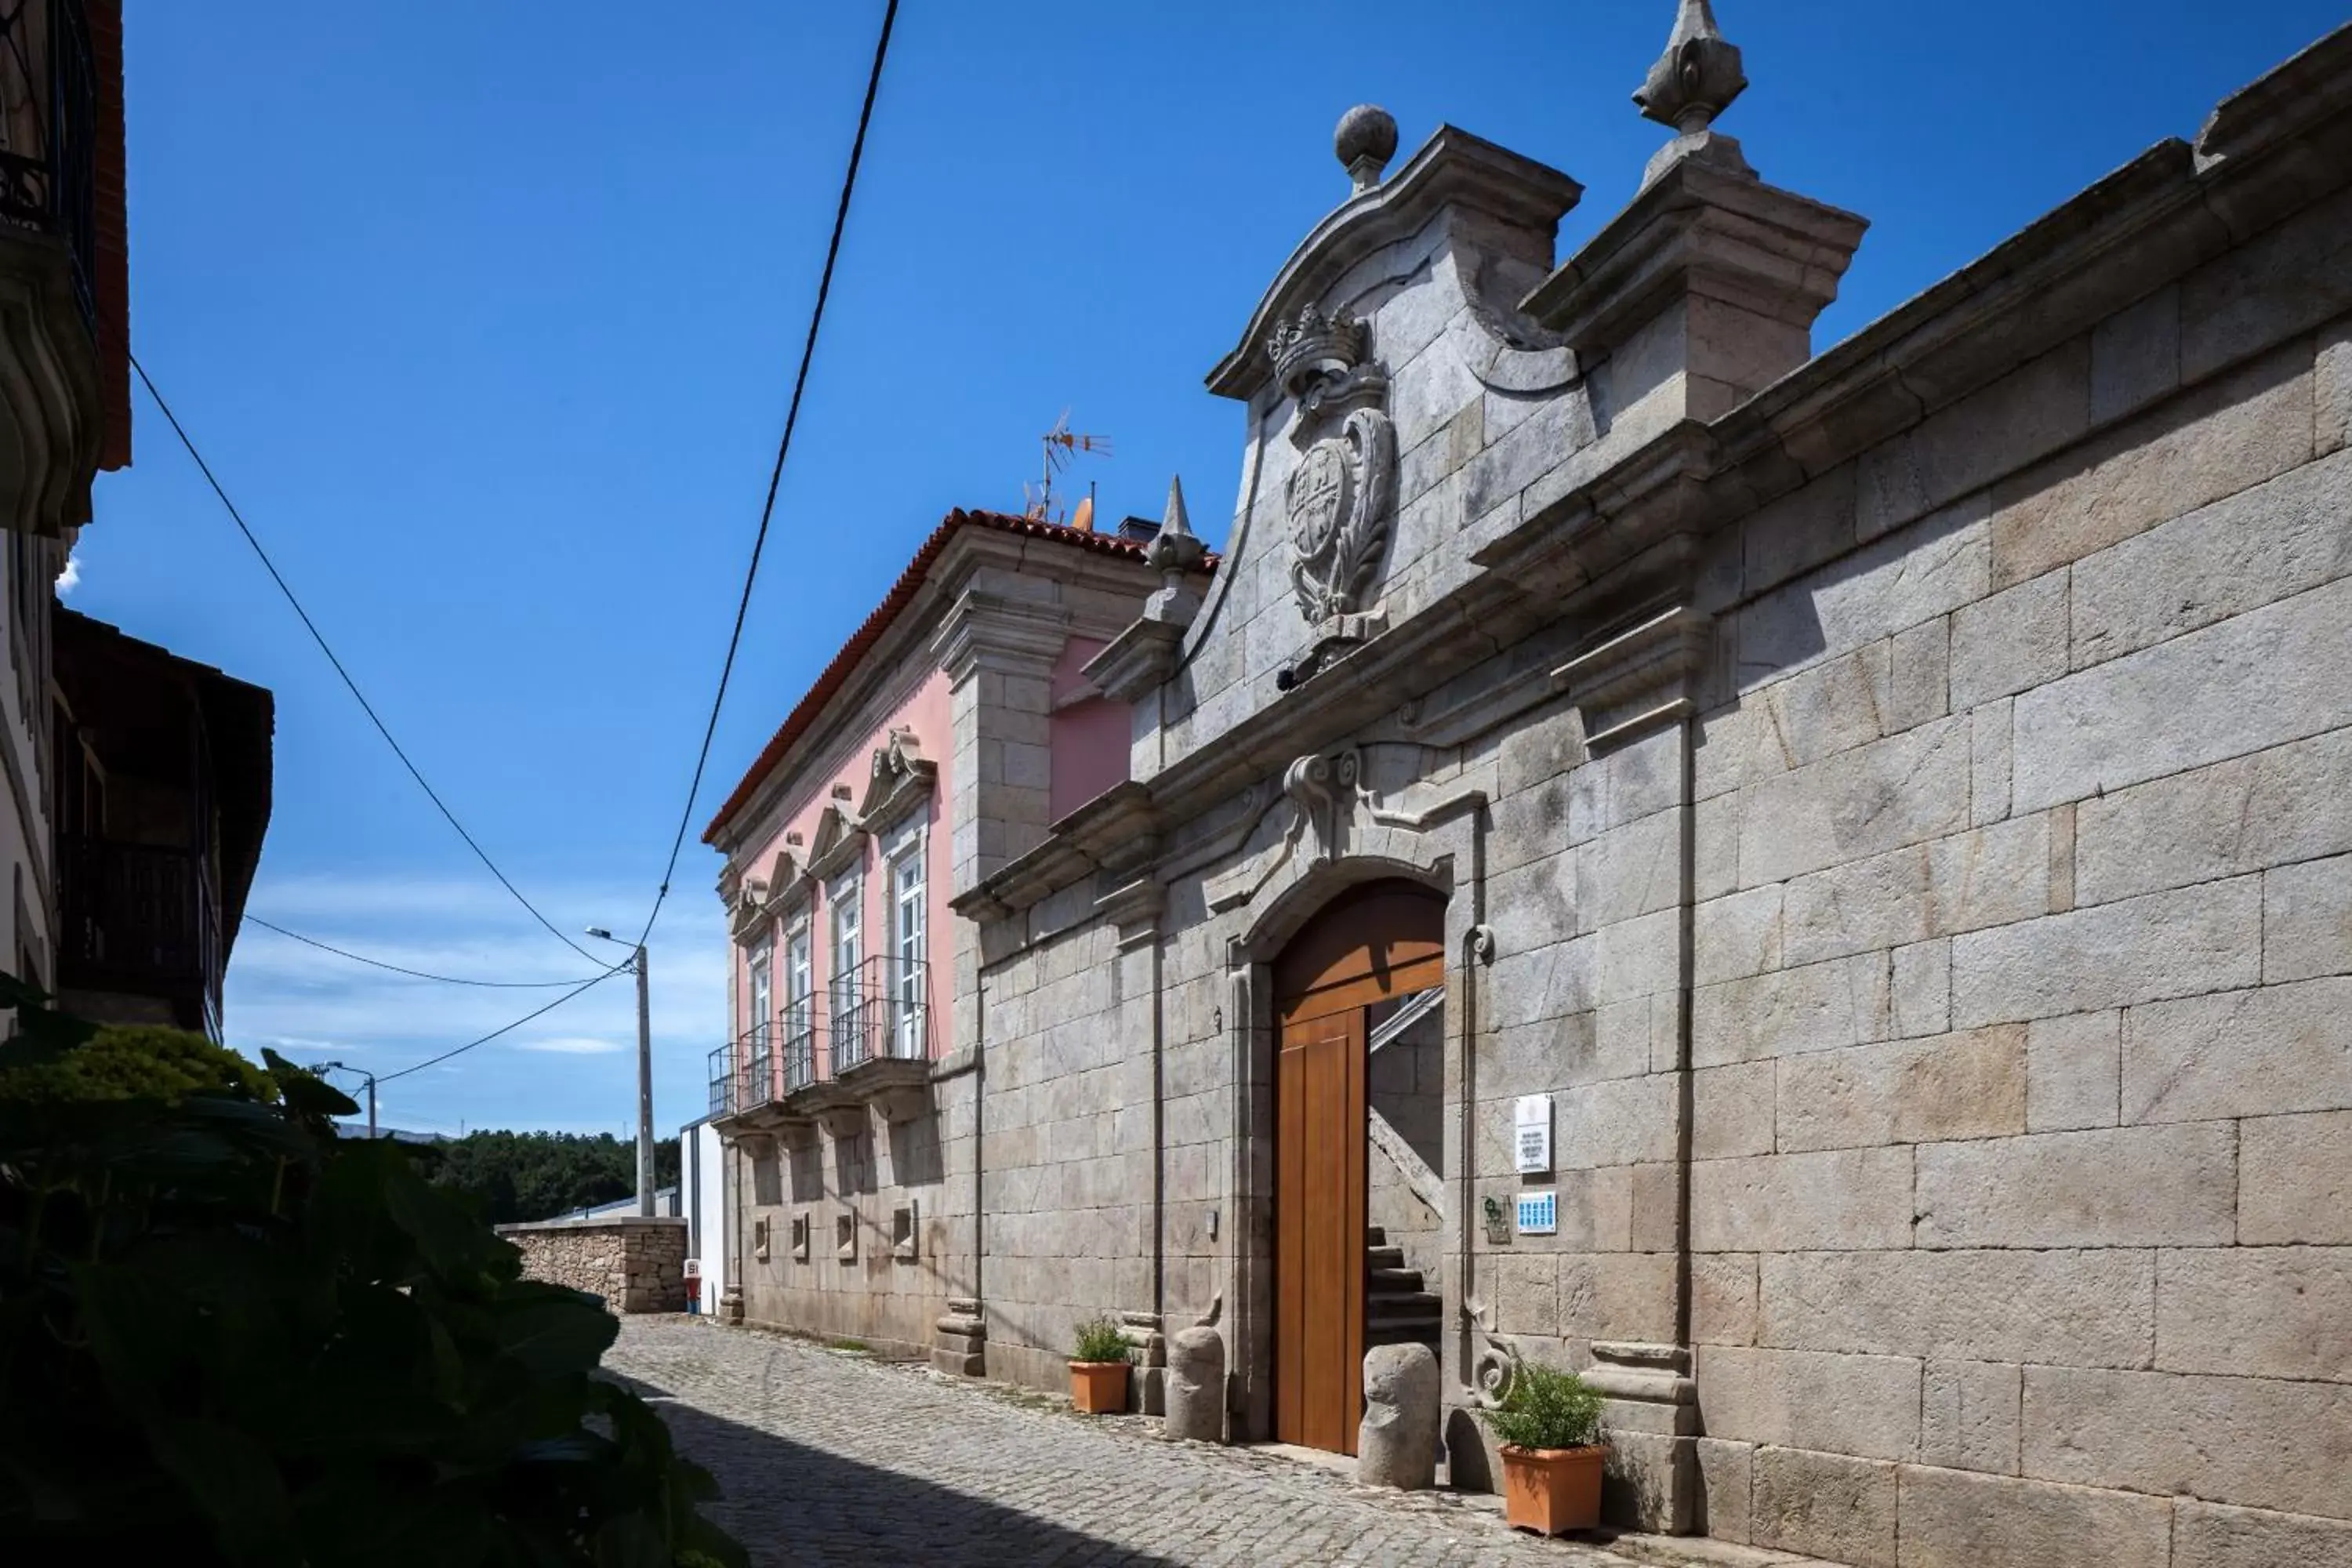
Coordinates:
(544, 1175)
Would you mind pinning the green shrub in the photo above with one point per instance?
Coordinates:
(1547, 1409)
(1101, 1339)
(228, 1337)
(135, 1062)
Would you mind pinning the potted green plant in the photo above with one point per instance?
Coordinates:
(1549, 1425)
(1099, 1368)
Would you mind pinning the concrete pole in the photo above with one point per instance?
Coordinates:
(645, 1091)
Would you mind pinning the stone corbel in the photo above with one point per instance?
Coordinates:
(1638, 679)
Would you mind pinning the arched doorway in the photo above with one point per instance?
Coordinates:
(1363, 962)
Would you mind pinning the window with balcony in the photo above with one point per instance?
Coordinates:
(800, 1005)
(905, 984)
(759, 1022)
(846, 902)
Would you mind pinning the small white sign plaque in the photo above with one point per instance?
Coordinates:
(1539, 1214)
(1533, 1142)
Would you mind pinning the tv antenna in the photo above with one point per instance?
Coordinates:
(1062, 447)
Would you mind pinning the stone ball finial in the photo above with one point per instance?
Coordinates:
(1365, 142)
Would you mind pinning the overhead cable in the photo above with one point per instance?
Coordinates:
(415, 974)
(784, 446)
(316, 635)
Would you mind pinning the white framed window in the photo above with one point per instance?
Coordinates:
(909, 908)
(760, 1026)
(846, 902)
(799, 988)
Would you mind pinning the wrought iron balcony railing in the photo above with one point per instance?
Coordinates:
(48, 114)
(882, 1008)
(797, 1031)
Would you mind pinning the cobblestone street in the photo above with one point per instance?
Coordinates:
(828, 1457)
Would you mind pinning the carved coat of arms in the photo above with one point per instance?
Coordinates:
(1337, 498)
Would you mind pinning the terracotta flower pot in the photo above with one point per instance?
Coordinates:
(1553, 1490)
(1098, 1388)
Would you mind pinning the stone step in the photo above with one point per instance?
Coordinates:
(1375, 1236)
(1403, 1306)
(1391, 1282)
(1384, 1257)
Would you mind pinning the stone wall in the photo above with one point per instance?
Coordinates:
(636, 1265)
(863, 1236)
(2023, 954)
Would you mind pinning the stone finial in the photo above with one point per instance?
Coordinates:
(1365, 142)
(1694, 81)
(1175, 547)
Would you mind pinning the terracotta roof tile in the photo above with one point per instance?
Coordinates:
(830, 681)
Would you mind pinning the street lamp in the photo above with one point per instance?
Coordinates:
(644, 1073)
(338, 1067)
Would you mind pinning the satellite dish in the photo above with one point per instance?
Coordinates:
(1083, 518)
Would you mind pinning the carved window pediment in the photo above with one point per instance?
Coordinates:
(839, 843)
(750, 908)
(901, 782)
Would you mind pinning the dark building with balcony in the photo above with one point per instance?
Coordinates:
(162, 796)
(65, 397)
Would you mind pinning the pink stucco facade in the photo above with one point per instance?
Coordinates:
(1089, 733)
(925, 713)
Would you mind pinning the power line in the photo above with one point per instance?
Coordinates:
(416, 973)
(494, 1034)
(316, 635)
(776, 475)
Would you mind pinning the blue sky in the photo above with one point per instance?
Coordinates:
(486, 312)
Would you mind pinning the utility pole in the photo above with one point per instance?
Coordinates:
(645, 1090)
(645, 1072)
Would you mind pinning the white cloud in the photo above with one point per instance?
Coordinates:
(310, 1005)
(573, 1046)
(70, 578)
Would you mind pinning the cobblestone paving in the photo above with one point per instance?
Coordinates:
(831, 1457)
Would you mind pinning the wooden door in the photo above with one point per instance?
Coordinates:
(1382, 941)
(1319, 1225)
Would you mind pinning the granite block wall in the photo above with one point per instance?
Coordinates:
(636, 1265)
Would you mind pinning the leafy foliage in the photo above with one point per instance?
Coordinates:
(120, 1063)
(1547, 1408)
(1101, 1339)
(228, 1337)
(545, 1175)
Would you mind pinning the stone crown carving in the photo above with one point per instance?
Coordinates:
(1315, 351)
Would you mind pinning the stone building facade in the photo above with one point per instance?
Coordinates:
(951, 730)
(1883, 820)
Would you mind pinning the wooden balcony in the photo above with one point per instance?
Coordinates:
(140, 921)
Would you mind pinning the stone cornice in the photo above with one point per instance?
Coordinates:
(1699, 230)
(1453, 168)
(984, 628)
(1138, 659)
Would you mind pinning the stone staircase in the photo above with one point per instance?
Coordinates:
(1397, 1310)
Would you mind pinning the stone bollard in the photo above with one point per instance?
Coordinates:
(1196, 1380)
(1397, 1444)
